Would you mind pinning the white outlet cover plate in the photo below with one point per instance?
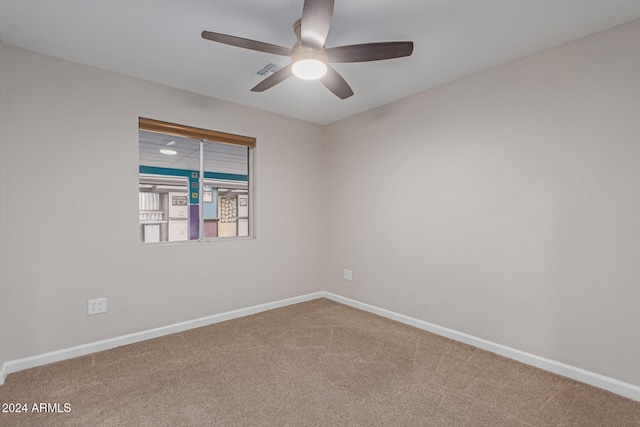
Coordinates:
(348, 274)
(96, 306)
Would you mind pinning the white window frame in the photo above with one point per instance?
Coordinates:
(204, 136)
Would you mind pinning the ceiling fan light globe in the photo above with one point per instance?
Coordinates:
(309, 69)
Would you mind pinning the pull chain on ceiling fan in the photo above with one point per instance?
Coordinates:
(310, 58)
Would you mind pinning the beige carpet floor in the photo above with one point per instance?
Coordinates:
(318, 363)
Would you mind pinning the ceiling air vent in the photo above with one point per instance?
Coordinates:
(267, 70)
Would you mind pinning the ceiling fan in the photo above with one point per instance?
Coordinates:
(309, 58)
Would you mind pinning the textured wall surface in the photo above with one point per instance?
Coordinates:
(504, 205)
(71, 155)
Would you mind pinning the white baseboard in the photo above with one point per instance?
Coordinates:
(615, 386)
(3, 373)
(84, 349)
(611, 384)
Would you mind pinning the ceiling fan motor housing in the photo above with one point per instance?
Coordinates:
(302, 52)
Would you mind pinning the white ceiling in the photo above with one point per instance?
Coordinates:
(159, 40)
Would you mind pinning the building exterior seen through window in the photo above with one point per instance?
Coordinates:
(191, 189)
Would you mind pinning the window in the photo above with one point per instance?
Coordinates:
(194, 184)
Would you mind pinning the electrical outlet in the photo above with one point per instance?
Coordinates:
(348, 274)
(97, 306)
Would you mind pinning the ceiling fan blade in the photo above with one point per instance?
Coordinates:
(316, 21)
(273, 79)
(246, 43)
(336, 84)
(369, 52)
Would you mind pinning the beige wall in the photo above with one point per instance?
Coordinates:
(519, 194)
(71, 155)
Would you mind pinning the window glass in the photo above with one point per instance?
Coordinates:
(191, 189)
